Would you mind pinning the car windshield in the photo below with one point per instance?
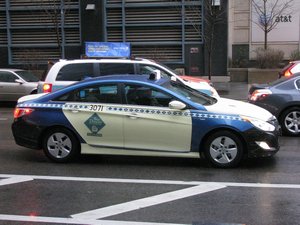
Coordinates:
(189, 93)
(27, 76)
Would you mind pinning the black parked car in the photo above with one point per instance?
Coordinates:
(282, 99)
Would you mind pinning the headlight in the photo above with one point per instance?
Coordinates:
(263, 125)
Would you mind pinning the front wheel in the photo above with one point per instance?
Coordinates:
(60, 145)
(290, 121)
(224, 149)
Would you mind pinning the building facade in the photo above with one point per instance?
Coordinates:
(32, 32)
(245, 36)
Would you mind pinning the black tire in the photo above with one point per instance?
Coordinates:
(224, 149)
(290, 121)
(34, 92)
(60, 145)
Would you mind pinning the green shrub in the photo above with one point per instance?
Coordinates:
(295, 55)
(268, 58)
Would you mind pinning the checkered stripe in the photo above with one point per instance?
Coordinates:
(168, 112)
(54, 106)
(40, 105)
(135, 110)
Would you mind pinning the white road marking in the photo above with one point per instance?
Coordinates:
(205, 186)
(14, 180)
(147, 202)
(2, 119)
(60, 220)
(143, 181)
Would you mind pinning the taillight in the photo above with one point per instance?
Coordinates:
(260, 94)
(47, 88)
(288, 71)
(22, 112)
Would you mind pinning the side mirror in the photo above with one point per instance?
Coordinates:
(177, 105)
(155, 75)
(19, 81)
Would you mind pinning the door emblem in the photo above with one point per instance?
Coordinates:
(95, 124)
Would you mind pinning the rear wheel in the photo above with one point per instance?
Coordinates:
(33, 92)
(290, 121)
(224, 149)
(60, 145)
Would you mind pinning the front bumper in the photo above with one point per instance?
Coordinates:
(262, 144)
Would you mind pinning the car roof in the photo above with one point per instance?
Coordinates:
(10, 69)
(125, 60)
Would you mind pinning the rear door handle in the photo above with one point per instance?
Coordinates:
(73, 110)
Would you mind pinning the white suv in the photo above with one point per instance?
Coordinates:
(66, 72)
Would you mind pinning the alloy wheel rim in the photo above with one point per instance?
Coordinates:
(59, 145)
(223, 150)
(292, 122)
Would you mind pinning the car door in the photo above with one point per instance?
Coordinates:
(10, 89)
(89, 111)
(151, 125)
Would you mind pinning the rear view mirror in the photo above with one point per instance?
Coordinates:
(177, 105)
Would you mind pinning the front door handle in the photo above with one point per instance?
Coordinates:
(133, 116)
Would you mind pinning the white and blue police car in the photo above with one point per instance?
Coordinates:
(142, 115)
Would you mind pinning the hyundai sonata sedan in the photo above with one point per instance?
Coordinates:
(146, 116)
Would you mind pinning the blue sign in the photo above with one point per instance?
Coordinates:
(107, 49)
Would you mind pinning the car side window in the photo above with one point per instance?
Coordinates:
(7, 77)
(144, 95)
(116, 68)
(148, 69)
(97, 94)
(297, 83)
(75, 72)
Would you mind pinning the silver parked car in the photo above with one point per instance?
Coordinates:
(15, 83)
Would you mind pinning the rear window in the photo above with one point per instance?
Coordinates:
(75, 72)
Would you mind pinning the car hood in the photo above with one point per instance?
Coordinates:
(229, 106)
(30, 97)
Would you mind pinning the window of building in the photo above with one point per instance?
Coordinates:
(156, 29)
(30, 33)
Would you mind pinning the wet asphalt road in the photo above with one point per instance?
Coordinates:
(265, 191)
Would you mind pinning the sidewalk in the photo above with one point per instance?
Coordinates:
(228, 89)
(233, 90)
